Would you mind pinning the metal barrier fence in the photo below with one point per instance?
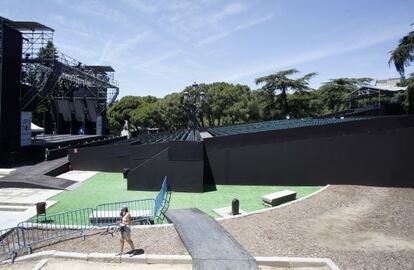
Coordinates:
(108, 214)
(9, 242)
(49, 227)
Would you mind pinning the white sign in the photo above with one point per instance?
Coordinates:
(25, 128)
(99, 125)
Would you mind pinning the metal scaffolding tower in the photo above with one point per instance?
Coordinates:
(43, 74)
(48, 76)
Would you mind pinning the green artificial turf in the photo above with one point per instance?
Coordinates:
(111, 187)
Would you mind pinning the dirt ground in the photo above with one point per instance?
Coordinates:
(358, 227)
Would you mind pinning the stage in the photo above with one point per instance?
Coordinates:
(54, 141)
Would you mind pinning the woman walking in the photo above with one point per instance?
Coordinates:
(125, 229)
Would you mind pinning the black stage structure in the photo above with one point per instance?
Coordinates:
(361, 151)
(58, 92)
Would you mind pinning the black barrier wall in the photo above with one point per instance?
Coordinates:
(370, 152)
(107, 158)
(376, 151)
(182, 162)
(10, 69)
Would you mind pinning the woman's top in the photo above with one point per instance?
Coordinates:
(125, 218)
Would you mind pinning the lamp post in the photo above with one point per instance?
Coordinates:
(195, 104)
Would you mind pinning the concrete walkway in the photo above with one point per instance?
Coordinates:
(209, 244)
(18, 204)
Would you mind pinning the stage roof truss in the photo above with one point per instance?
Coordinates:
(374, 91)
(41, 75)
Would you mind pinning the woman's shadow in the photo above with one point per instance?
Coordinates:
(134, 252)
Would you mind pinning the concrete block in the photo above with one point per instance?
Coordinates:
(331, 265)
(40, 264)
(279, 197)
(70, 255)
(306, 262)
(273, 261)
(126, 258)
(104, 257)
(169, 259)
(36, 256)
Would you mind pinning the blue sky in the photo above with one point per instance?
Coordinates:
(159, 47)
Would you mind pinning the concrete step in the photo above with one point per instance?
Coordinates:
(4, 172)
(15, 203)
(12, 209)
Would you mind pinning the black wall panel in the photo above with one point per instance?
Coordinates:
(142, 153)
(183, 175)
(370, 152)
(107, 158)
(10, 71)
(377, 153)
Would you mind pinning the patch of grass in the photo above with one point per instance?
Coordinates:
(111, 187)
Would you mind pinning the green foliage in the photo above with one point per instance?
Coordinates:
(403, 55)
(280, 82)
(131, 108)
(333, 94)
(304, 104)
(173, 112)
(146, 115)
(231, 104)
(407, 81)
(409, 100)
(47, 53)
(226, 103)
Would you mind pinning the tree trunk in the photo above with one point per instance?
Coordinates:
(210, 120)
(286, 105)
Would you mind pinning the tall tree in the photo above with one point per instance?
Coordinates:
(304, 104)
(333, 94)
(410, 99)
(403, 55)
(173, 112)
(130, 108)
(279, 81)
(224, 102)
(48, 53)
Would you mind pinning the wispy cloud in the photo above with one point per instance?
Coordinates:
(158, 59)
(238, 28)
(71, 28)
(189, 20)
(97, 9)
(122, 53)
(148, 7)
(104, 55)
(77, 52)
(334, 49)
(229, 10)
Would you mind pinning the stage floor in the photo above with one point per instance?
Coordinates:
(62, 139)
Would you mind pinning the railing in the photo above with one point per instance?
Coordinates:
(49, 227)
(9, 242)
(276, 125)
(60, 152)
(44, 228)
(108, 214)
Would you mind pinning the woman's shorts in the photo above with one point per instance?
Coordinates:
(126, 233)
